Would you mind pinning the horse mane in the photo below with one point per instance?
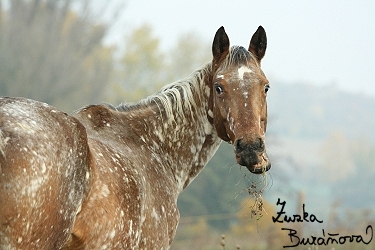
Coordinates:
(175, 98)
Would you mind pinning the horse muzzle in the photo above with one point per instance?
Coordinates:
(252, 155)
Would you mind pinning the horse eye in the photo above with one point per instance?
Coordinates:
(266, 88)
(218, 88)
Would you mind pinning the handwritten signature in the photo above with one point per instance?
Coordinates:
(330, 238)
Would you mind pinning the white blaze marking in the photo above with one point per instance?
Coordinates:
(242, 70)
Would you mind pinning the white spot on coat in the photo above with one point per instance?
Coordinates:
(105, 190)
(208, 128)
(154, 214)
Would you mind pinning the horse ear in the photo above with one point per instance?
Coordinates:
(220, 45)
(258, 43)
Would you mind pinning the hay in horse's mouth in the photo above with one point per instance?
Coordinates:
(257, 209)
(261, 167)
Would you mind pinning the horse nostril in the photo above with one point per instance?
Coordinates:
(238, 146)
(257, 145)
(261, 144)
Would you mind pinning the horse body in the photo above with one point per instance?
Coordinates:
(109, 177)
(41, 185)
(139, 208)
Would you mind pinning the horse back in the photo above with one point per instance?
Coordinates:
(44, 174)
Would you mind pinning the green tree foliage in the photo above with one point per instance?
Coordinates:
(50, 53)
(141, 67)
(144, 67)
(187, 55)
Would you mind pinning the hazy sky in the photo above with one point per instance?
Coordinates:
(315, 42)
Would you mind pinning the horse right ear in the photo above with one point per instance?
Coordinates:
(220, 46)
(258, 43)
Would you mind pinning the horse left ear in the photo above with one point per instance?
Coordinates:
(258, 43)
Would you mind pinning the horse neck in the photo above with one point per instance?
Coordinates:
(174, 125)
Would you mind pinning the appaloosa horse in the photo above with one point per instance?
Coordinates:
(109, 177)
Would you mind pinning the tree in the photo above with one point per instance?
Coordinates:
(187, 55)
(144, 67)
(141, 66)
(50, 53)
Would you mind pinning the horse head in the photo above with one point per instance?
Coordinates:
(238, 100)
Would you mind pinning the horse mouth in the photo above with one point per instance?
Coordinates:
(262, 166)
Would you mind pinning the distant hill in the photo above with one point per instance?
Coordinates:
(329, 137)
(305, 111)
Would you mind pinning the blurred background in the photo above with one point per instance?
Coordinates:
(320, 62)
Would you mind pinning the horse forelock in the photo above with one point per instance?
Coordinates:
(238, 56)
